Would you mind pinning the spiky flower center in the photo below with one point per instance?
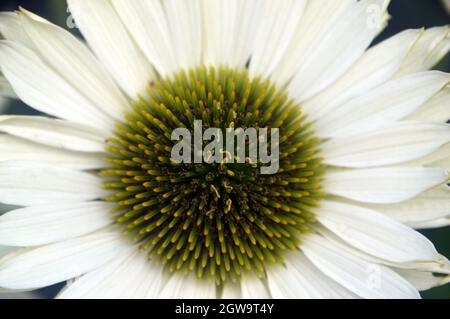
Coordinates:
(216, 220)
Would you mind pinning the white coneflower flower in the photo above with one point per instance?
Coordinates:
(364, 151)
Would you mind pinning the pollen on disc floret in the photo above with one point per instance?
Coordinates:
(216, 220)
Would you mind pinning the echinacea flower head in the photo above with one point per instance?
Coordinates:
(358, 138)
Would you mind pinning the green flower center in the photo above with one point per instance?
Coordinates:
(217, 220)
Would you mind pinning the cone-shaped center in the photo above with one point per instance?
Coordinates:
(215, 209)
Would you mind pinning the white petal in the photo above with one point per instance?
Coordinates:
(29, 183)
(17, 149)
(383, 185)
(56, 133)
(382, 106)
(423, 280)
(169, 32)
(180, 287)
(333, 35)
(11, 28)
(218, 19)
(231, 291)
(439, 158)
(219, 30)
(44, 89)
(129, 275)
(48, 265)
(274, 34)
(396, 144)
(72, 59)
(436, 109)
(437, 223)
(41, 225)
(299, 279)
(253, 288)
(440, 265)
(375, 233)
(429, 50)
(185, 26)
(234, 32)
(374, 68)
(368, 280)
(430, 205)
(107, 36)
(147, 23)
(19, 295)
(248, 28)
(443, 163)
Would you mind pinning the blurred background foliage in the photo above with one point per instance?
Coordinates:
(406, 14)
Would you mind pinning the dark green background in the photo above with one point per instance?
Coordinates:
(405, 14)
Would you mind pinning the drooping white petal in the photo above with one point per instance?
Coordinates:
(443, 162)
(367, 280)
(248, 24)
(13, 294)
(299, 279)
(185, 26)
(30, 183)
(234, 32)
(75, 62)
(423, 280)
(130, 275)
(181, 287)
(41, 225)
(149, 282)
(383, 185)
(147, 23)
(375, 67)
(48, 265)
(219, 30)
(428, 51)
(109, 281)
(44, 89)
(253, 287)
(437, 109)
(11, 28)
(440, 265)
(430, 205)
(231, 291)
(382, 106)
(17, 149)
(439, 158)
(107, 36)
(331, 38)
(375, 233)
(169, 32)
(274, 33)
(431, 224)
(56, 133)
(395, 144)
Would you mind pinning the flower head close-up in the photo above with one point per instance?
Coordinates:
(201, 149)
